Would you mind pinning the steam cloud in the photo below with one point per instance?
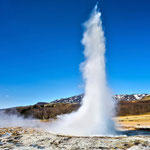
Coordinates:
(14, 120)
(95, 115)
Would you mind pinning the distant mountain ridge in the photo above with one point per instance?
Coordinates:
(73, 99)
(130, 97)
(122, 97)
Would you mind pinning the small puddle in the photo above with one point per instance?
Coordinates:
(6, 135)
(1, 143)
(37, 146)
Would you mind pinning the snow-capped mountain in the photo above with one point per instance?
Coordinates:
(73, 99)
(122, 97)
(129, 97)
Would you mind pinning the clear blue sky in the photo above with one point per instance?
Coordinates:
(40, 48)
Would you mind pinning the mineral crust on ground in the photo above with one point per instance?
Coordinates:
(31, 139)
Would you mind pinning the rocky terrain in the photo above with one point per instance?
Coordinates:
(31, 139)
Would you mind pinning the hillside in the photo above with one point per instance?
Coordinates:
(126, 105)
(41, 111)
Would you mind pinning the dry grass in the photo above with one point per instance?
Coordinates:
(134, 121)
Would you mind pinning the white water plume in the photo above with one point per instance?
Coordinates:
(94, 117)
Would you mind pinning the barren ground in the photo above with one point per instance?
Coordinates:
(31, 139)
(18, 138)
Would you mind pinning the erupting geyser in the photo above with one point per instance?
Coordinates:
(95, 115)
